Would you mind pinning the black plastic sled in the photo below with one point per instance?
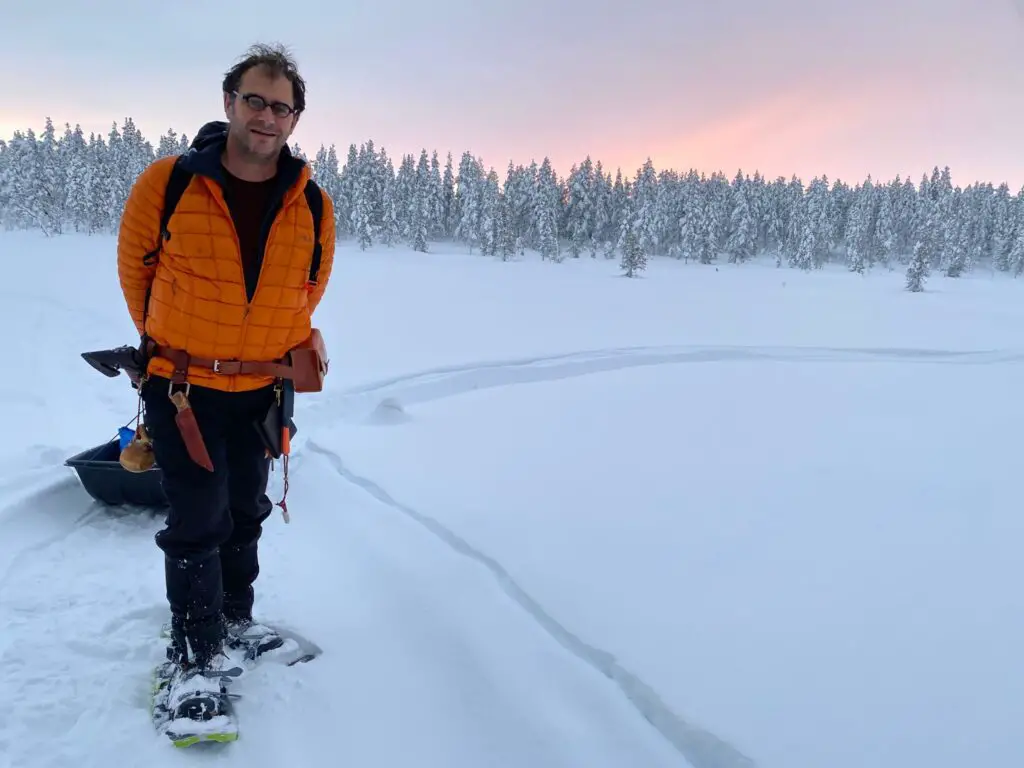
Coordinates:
(108, 482)
(99, 468)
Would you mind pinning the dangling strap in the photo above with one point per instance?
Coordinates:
(286, 401)
(282, 503)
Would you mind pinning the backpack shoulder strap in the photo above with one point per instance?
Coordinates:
(315, 201)
(176, 184)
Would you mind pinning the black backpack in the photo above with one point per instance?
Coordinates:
(179, 180)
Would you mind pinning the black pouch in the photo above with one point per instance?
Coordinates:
(269, 428)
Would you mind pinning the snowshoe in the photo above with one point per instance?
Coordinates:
(192, 704)
(248, 642)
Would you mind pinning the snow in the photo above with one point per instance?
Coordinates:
(545, 515)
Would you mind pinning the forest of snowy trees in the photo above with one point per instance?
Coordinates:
(72, 183)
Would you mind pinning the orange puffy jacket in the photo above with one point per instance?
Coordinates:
(198, 299)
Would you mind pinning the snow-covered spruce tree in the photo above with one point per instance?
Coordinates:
(1004, 221)
(518, 194)
(927, 247)
(468, 199)
(344, 202)
(488, 222)
(401, 193)
(391, 219)
(955, 251)
(742, 241)
(633, 258)
(446, 226)
(364, 196)
(1015, 258)
(359, 220)
(435, 201)
(420, 197)
(861, 229)
(507, 243)
(52, 203)
(23, 188)
(631, 239)
(420, 217)
(545, 212)
(885, 231)
(814, 237)
(618, 199)
(699, 228)
(917, 271)
(649, 205)
(74, 182)
(580, 212)
(78, 170)
(601, 208)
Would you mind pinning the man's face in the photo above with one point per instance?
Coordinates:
(259, 134)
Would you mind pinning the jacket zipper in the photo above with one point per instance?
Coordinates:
(275, 216)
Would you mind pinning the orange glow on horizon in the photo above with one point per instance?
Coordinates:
(845, 132)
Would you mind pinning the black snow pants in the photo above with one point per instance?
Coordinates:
(215, 518)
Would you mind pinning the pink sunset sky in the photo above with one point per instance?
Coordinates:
(808, 87)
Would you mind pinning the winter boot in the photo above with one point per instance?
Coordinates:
(191, 700)
(251, 637)
(198, 689)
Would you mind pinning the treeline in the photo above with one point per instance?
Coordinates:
(72, 183)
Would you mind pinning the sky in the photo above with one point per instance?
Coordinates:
(841, 88)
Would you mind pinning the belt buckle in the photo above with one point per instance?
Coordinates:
(233, 367)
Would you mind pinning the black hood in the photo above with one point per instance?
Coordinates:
(203, 156)
(214, 132)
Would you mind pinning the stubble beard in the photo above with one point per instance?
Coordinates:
(245, 145)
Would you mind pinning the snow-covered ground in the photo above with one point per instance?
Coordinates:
(547, 516)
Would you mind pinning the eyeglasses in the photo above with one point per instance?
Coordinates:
(257, 103)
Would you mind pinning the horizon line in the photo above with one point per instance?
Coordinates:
(619, 169)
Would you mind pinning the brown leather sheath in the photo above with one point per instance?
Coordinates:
(189, 429)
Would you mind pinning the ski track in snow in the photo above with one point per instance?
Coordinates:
(40, 533)
(44, 687)
(700, 747)
(74, 664)
(451, 381)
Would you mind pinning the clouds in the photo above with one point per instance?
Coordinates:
(868, 87)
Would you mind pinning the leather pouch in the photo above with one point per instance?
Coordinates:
(309, 363)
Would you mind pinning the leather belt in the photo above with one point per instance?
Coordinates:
(182, 360)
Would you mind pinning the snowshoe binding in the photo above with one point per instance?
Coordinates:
(251, 638)
(191, 702)
(247, 642)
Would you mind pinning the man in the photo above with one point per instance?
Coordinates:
(220, 294)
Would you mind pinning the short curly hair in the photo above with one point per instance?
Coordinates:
(276, 60)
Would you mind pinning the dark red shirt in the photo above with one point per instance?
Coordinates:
(249, 203)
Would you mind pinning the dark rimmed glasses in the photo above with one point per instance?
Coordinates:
(257, 103)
